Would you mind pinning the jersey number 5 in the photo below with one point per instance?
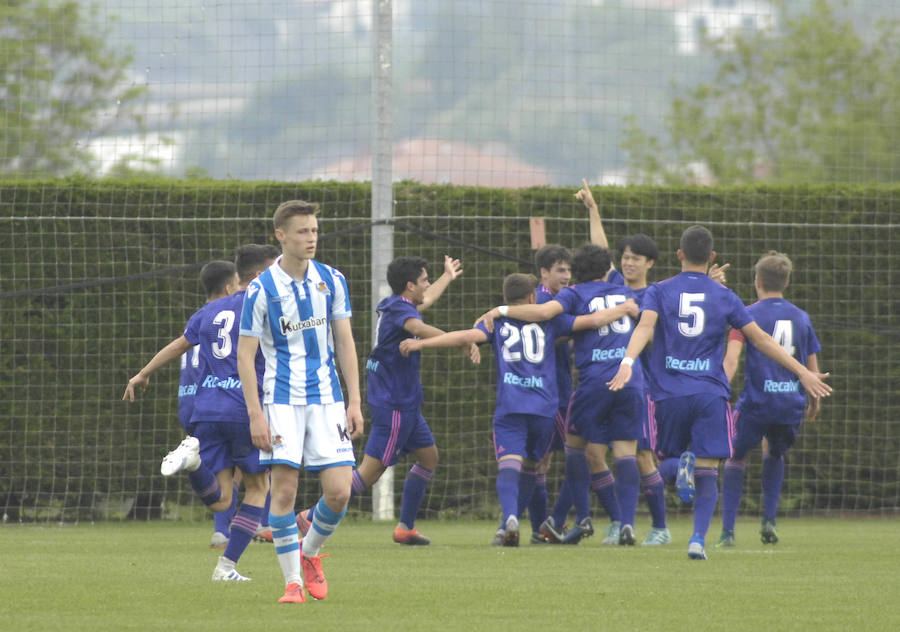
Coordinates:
(687, 308)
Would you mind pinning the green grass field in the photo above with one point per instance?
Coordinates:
(825, 574)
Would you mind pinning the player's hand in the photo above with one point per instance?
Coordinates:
(631, 308)
(814, 385)
(259, 432)
(488, 319)
(621, 378)
(584, 194)
(138, 381)
(452, 267)
(472, 352)
(410, 345)
(355, 420)
(813, 405)
(717, 272)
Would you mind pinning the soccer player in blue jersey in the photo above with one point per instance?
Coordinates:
(687, 317)
(220, 434)
(527, 398)
(771, 406)
(298, 312)
(599, 418)
(394, 389)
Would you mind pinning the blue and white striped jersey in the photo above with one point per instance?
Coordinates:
(292, 320)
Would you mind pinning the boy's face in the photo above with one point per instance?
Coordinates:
(299, 236)
(557, 277)
(634, 266)
(416, 291)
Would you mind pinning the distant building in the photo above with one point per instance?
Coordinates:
(699, 21)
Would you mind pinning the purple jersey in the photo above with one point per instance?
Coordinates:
(563, 363)
(598, 352)
(187, 385)
(694, 313)
(615, 277)
(215, 327)
(526, 364)
(392, 381)
(768, 384)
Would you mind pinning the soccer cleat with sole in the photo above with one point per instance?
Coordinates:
(767, 532)
(537, 538)
(185, 457)
(293, 593)
(550, 533)
(726, 539)
(218, 540)
(583, 529)
(499, 536)
(263, 534)
(684, 480)
(221, 575)
(657, 537)
(313, 576)
(626, 536)
(696, 550)
(411, 537)
(511, 531)
(613, 530)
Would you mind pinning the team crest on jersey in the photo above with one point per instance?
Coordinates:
(276, 440)
(322, 287)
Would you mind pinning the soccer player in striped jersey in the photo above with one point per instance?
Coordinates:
(687, 316)
(298, 312)
(771, 406)
(394, 389)
(527, 399)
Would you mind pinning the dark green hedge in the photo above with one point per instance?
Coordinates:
(98, 275)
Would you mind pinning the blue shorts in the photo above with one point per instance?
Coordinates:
(603, 416)
(754, 424)
(701, 422)
(527, 436)
(396, 433)
(226, 444)
(647, 441)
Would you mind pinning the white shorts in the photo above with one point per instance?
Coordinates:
(314, 436)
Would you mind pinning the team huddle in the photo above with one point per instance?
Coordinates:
(653, 386)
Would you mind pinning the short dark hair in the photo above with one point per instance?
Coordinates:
(774, 271)
(640, 244)
(697, 244)
(591, 262)
(517, 286)
(403, 270)
(546, 256)
(287, 210)
(253, 258)
(215, 275)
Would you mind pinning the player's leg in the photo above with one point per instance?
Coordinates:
(541, 431)
(420, 442)
(510, 440)
(628, 482)
(652, 485)
(779, 439)
(747, 437)
(222, 521)
(538, 502)
(603, 484)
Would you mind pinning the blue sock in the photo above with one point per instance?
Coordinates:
(324, 521)
(706, 481)
(578, 476)
(732, 490)
(508, 473)
(414, 493)
(357, 487)
(604, 486)
(537, 508)
(772, 479)
(242, 531)
(668, 469)
(655, 494)
(205, 484)
(628, 484)
(526, 481)
(563, 504)
(222, 519)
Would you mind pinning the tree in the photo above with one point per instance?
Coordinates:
(809, 101)
(60, 85)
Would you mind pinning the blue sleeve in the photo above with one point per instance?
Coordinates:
(568, 298)
(738, 316)
(650, 299)
(192, 329)
(490, 336)
(562, 324)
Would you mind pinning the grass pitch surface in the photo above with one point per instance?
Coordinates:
(825, 574)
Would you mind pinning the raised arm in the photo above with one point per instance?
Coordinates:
(452, 269)
(732, 357)
(812, 382)
(530, 312)
(449, 339)
(643, 334)
(246, 361)
(598, 235)
(348, 362)
(171, 351)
